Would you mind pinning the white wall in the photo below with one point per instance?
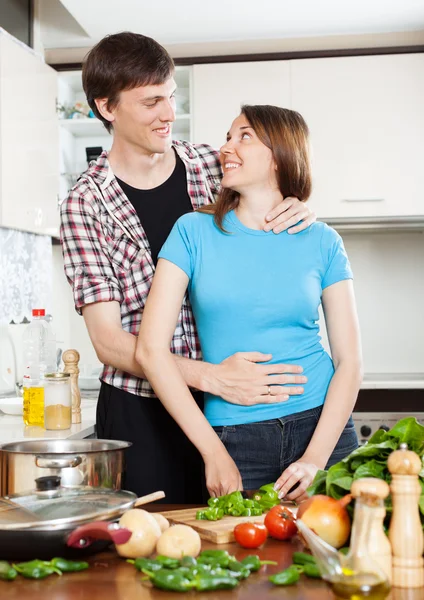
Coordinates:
(388, 273)
(389, 286)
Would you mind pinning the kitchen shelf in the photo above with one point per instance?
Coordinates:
(84, 127)
(93, 127)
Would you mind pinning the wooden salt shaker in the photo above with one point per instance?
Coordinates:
(405, 532)
(379, 548)
(71, 359)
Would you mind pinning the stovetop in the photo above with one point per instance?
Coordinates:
(367, 423)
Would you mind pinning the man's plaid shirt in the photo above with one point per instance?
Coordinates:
(107, 255)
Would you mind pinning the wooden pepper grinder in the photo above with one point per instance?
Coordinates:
(405, 532)
(379, 548)
(71, 359)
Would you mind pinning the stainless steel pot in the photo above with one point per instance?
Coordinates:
(95, 463)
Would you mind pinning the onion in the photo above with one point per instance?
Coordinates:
(327, 517)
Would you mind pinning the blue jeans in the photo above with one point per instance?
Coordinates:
(263, 450)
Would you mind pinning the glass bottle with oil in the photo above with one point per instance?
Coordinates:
(33, 406)
(362, 577)
(359, 586)
(35, 344)
(355, 576)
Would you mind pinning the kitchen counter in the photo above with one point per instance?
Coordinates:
(387, 381)
(112, 578)
(13, 429)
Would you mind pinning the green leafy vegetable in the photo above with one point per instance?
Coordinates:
(371, 461)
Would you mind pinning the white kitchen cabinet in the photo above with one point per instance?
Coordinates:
(366, 118)
(219, 90)
(77, 134)
(28, 139)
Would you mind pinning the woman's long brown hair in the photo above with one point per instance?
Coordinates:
(286, 134)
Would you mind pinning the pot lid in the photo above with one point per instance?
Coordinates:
(62, 508)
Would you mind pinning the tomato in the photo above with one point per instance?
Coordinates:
(250, 535)
(279, 526)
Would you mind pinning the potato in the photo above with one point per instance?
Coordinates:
(179, 541)
(145, 533)
(163, 522)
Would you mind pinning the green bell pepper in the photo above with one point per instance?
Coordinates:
(301, 558)
(69, 566)
(7, 572)
(254, 563)
(234, 505)
(238, 569)
(267, 497)
(36, 569)
(311, 570)
(174, 581)
(188, 561)
(211, 514)
(168, 563)
(216, 558)
(289, 576)
(213, 502)
(146, 564)
(207, 583)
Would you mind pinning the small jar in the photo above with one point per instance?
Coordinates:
(57, 401)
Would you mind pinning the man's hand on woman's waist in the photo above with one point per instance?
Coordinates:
(239, 379)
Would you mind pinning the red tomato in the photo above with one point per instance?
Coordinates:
(250, 535)
(279, 526)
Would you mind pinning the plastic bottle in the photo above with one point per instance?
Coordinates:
(38, 360)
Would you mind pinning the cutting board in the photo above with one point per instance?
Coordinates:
(218, 532)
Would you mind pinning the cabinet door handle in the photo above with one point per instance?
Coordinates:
(362, 199)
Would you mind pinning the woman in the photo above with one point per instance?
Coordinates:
(252, 289)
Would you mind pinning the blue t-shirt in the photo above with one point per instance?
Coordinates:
(252, 290)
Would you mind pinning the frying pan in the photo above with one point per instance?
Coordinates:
(66, 522)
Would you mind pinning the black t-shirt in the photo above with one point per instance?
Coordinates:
(160, 207)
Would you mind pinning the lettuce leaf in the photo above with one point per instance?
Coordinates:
(371, 461)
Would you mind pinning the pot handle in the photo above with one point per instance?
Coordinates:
(98, 530)
(57, 463)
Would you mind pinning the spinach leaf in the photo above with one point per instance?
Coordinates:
(371, 461)
(369, 450)
(318, 484)
(339, 481)
(378, 436)
(411, 432)
(371, 468)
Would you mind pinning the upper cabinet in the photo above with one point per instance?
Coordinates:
(219, 90)
(28, 140)
(365, 115)
(366, 119)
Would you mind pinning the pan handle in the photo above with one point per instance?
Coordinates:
(98, 530)
(149, 498)
(57, 463)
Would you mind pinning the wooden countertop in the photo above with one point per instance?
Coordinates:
(112, 578)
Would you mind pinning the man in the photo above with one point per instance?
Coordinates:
(114, 223)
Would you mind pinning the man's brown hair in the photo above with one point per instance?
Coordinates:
(121, 62)
(286, 134)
